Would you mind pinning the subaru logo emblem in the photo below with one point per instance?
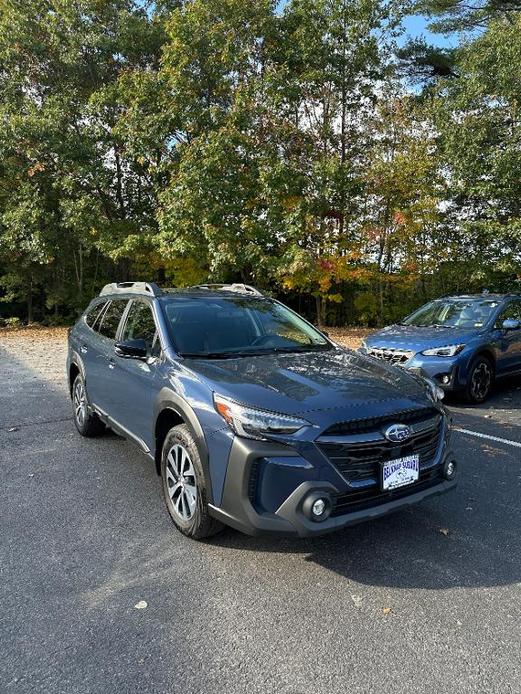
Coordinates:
(398, 433)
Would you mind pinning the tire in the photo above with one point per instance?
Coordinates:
(185, 487)
(480, 380)
(87, 422)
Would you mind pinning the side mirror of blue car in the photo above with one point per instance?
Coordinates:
(511, 324)
(131, 349)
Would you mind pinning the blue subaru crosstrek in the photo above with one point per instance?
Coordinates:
(252, 417)
(463, 343)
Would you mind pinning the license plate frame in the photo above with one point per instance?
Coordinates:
(399, 472)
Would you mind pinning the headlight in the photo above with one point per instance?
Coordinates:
(434, 392)
(447, 351)
(253, 423)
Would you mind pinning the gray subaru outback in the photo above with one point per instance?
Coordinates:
(252, 417)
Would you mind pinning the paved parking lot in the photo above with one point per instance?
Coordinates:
(427, 600)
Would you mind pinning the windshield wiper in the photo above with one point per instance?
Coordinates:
(251, 352)
(212, 355)
(293, 350)
(426, 325)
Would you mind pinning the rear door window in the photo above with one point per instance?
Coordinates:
(112, 317)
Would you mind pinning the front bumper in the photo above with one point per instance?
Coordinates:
(445, 372)
(296, 472)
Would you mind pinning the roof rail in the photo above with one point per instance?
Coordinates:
(238, 287)
(148, 288)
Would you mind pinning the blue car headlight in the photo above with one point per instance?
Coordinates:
(253, 423)
(445, 351)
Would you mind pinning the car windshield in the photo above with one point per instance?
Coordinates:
(218, 327)
(453, 313)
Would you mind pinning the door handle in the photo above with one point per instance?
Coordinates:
(83, 349)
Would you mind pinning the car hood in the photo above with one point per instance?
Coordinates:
(415, 339)
(318, 385)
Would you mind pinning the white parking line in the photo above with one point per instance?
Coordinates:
(516, 444)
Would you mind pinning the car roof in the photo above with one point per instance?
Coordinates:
(174, 293)
(152, 291)
(479, 297)
(201, 293)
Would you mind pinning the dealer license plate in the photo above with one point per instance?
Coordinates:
(400, 472)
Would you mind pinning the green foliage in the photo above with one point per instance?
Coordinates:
(460, 15)
(224, 140)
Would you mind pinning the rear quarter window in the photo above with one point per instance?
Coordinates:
(94, 313)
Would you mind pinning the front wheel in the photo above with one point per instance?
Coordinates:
(480, 380)
(185, 485)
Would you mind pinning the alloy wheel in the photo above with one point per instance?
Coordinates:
(481, 381)
(80, 403)
(181, 482)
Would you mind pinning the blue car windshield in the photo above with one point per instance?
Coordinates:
(218, 327)
(453, 313)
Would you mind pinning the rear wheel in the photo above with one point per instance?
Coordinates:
(480, 380)
(185, 487)
(87, 422)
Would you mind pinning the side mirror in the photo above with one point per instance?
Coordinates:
(131, 349)
(511, 324)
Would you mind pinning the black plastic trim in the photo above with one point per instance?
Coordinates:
(237, 511)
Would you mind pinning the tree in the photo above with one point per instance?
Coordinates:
(461, 15)
(213, 206)
(477, 117)
(72, 193)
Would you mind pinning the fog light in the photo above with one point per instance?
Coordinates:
(449, 469)
(318, 507)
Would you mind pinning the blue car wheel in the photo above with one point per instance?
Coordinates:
(480, 380)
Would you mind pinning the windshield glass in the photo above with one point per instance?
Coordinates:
(454, 313)
(237, 326)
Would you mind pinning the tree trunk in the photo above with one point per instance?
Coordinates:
(320, 310)
(30, 302)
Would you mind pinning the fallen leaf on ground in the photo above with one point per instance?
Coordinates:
(444, 531)
(386, 610)
(357, 600)
(13, 428)
(141, 605)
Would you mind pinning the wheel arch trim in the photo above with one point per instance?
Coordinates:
(169, 400)
(75, 363)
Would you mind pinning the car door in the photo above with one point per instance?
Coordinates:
(84, 340)
(509, 359)
(134, 381)
(100, 355)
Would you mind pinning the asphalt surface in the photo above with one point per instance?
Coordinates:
(427, 600)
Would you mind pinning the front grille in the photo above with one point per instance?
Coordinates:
(393, 356)
(358, 426)
(360, 451)
(362, 461)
